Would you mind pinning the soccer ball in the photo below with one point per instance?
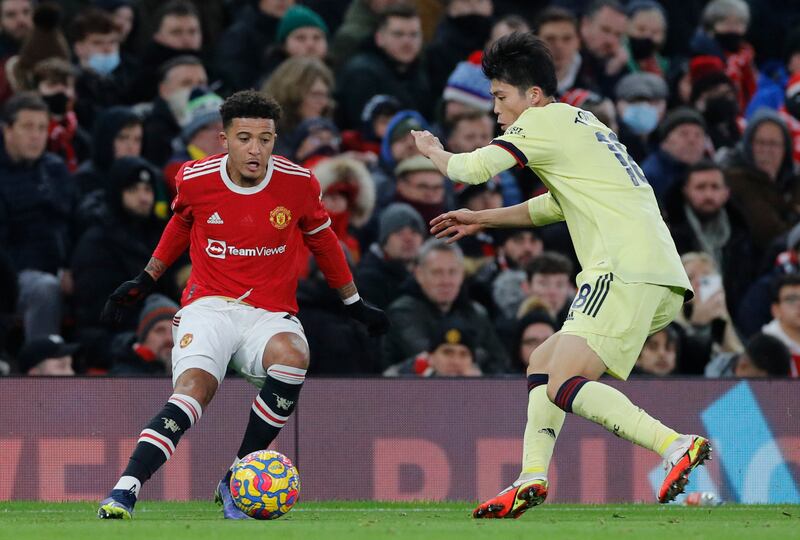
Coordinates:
(265, 484)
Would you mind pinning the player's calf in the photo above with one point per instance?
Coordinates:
(155, 446)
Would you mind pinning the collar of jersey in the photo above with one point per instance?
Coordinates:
(223, 172)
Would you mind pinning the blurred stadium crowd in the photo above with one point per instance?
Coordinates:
(103, 100)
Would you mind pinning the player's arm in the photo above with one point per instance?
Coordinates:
(174, 241)
(541, 210)
(474, 167)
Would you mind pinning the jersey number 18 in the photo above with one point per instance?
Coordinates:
(634, 172)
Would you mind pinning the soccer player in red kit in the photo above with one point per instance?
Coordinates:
(245, 216)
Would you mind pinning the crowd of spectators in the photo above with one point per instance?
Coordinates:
(103, 100)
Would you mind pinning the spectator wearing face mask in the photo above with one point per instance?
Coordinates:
(646, 34)
(641, 102)
(54, 80)
(104, 72)
(177, 78)
(723, 27)
(714, 94)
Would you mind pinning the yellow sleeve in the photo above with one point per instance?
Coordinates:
(480, 165)
(531, 140)
(545, 210)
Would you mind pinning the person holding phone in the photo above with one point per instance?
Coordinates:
(705, 319)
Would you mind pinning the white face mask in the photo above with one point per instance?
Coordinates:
(641, 118)
(177, 102)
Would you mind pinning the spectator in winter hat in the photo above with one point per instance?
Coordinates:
(641, 102)
(117, 133)
(48, 355)
(375, 118)
(714, 95)
(314, 139)
(451, 353)
(420, 184)
(389, 261)
(148, 351)
(682, 142)
(467, 89)
(199, 138)
(301, 34)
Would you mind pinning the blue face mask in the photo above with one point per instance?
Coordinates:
(641, 118)
(104, 64)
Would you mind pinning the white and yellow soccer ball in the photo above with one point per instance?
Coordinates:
(265, 484)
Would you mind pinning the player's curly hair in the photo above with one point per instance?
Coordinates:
(522, 60)
(249, 104)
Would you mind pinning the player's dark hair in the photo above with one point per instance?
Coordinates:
(521, 60)
(91, 21)
(554, 15)
(770, 354)
(182, 60)
(786, 280)
(401, 10)
(595, 7)
(702, 166)
(24, 101)
(249, 104)
(174, 8)
(549, 262)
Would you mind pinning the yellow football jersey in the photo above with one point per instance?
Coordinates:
(595, 186)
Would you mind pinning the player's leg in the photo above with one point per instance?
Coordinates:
(541, 431)
(194, 390)
(574, 388)
(285, 361)
(275, 358)
(199, 359)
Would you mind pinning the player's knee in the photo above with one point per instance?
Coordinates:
(552, 389)
(287, 349)
(197, 383)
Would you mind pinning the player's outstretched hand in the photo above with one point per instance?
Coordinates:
(426, 142)
(128, 294)
(373, 318)
(455, 225)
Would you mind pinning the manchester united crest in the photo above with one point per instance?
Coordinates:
(280, 217)
(186, 340)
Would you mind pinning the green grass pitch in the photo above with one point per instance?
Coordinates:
(377, 520)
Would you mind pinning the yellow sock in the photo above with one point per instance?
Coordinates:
(544, 424)
(614, 411)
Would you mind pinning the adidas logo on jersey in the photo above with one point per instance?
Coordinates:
(215, 219)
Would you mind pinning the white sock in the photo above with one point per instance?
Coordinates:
(235, 463)
(129, 482)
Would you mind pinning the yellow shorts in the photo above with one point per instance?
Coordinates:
(616, 317)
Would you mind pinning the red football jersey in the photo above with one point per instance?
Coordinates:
(248, 240)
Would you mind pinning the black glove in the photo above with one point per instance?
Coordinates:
(373, 318)
(127, 295)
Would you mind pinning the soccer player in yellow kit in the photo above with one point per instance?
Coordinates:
(632, 282)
